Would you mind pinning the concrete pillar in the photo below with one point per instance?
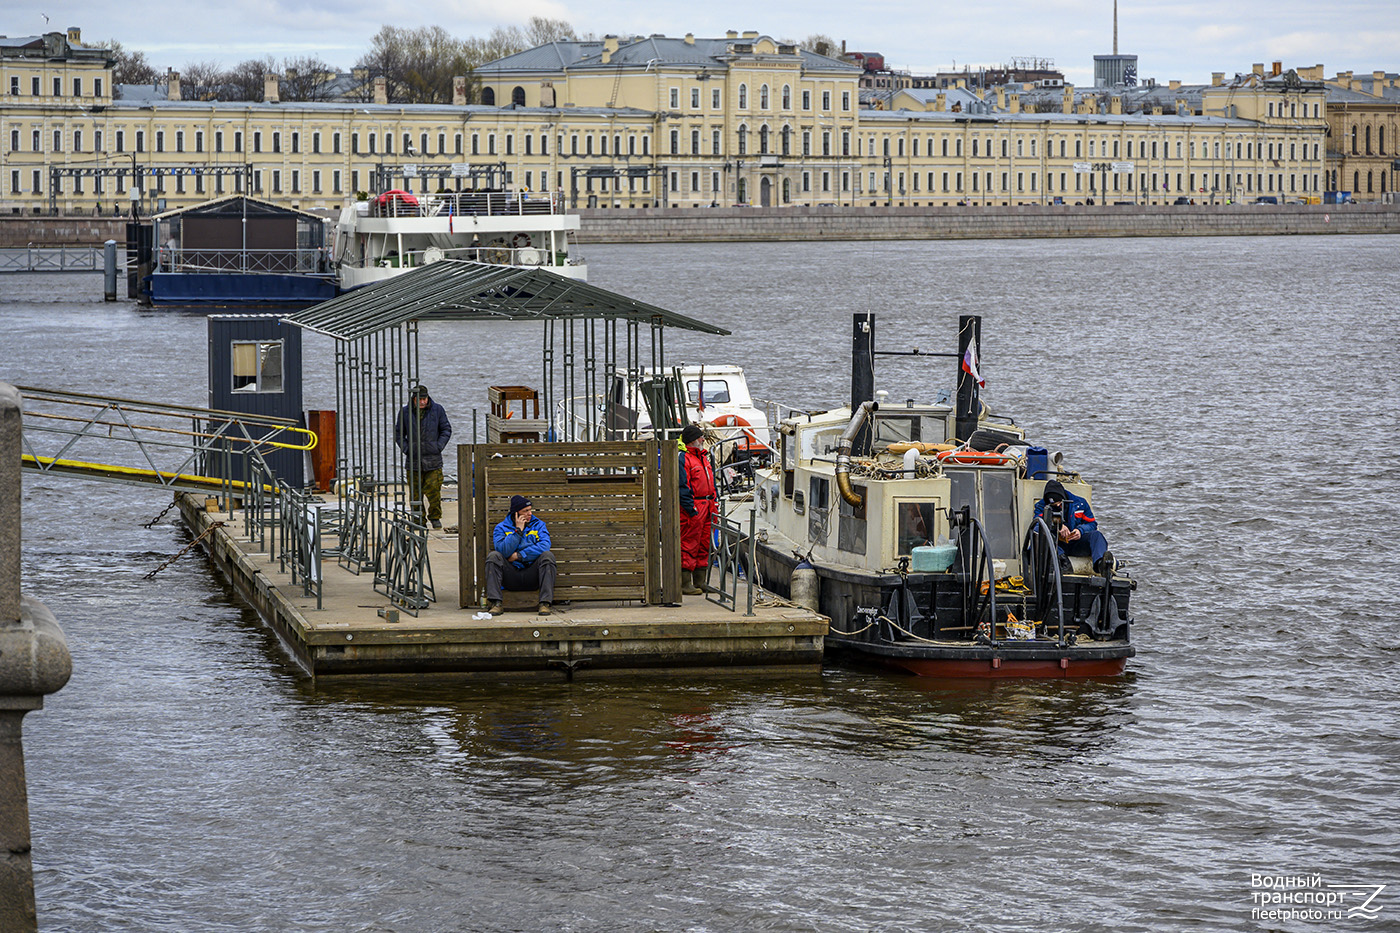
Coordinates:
(34, 661)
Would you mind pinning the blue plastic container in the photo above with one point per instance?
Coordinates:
(1037, 463)
(934, 559)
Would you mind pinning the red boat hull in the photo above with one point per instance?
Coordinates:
(999, 668)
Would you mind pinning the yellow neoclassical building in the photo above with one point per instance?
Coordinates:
(690, 122)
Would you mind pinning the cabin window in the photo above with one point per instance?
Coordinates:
(850, 527)
(799, 503)
(257, 366)
(893, 429)
(819, 513)
(990, 495)
(716, 391)
(787, 446)
(914, 525)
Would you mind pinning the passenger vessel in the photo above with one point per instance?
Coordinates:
(913, 526)
(397, 230)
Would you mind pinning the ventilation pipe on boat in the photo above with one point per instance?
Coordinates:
(862, 367)
(843, 454)
(969, 338)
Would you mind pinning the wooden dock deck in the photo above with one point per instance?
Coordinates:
(348, 635)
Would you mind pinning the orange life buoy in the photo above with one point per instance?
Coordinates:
(982, 457)
(520, 240)
(750, 440)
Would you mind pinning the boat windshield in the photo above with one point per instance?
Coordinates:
(894, 429)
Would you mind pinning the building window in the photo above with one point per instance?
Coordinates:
(257, 141)
(96, 87)
(806, 100)
(695, 142)
(743, 97)
(695, 98)
(57, 87)
(276, 142)
(58, 140)
(846, 100)
(14, 90)
(675, 142)
(179, 140)
(826, 100)
(675, 98)
(763, 97)
(787, 97)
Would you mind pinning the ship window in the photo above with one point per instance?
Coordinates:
(850, 528)
(819, 515)
(990, 493)
(716, 391)
(914, 525)
(787, 444)
(799, 503)
(257, 366)
(895, 430)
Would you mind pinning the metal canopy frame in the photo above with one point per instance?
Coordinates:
(376, 329)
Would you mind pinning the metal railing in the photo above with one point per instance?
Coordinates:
(52, 259)
(175, 259)
(734, 558)
(493, 255)
(408, 575)
(466, 204)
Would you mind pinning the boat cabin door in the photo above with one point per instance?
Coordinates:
(991, 494)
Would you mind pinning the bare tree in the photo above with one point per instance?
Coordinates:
(541, 31)
(244, 81)
(306, 78)
(130, 67)
(201, 80)
(822, 45)
(418, 64)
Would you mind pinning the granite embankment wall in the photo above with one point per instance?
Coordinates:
(976, 223)
(651, 225)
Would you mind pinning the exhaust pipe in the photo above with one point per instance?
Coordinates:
(843, 454)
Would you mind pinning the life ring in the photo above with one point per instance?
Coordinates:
(750, 442)
(520, 240)
(984, 458)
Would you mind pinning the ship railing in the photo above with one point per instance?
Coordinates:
(1043, 576)
(470, 204)
(176, 259)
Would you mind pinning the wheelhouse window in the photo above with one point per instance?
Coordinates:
(716, 392)
(915, 525)
(257, 366)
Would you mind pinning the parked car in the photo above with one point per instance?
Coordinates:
(1266, 199)
(1182, 200)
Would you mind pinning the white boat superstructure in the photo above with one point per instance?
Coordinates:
(397, 231)
(715, 396)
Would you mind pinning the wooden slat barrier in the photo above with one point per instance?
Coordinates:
(611, 507)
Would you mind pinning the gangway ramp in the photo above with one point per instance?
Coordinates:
(146, 443)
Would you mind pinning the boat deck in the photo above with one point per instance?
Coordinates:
(358, 631)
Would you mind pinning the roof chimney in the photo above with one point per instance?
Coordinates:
(1115, 104)
(1259, 69)
(1217, 78)
(690, 38)
(1067, 100)
(270, 88)
(750, 34)
(172, 85)
(731, 34)
(381, 89)
(610, 43)
(75, 35)
(459, 90)
(1378, 83)
(1278, 69)
(1175, 85)
(940, 102)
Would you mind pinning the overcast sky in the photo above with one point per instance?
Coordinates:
(1184, 39)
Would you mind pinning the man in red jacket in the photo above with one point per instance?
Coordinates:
(698, 508)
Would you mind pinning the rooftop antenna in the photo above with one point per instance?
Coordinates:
(1115, 27)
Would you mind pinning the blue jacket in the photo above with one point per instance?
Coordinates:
(1077, 512)
(434, 431)
(531, 543)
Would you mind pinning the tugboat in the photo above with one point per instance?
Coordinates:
(914, 528)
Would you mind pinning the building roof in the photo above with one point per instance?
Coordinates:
(452, 290)
(238, 205)
(641, 53)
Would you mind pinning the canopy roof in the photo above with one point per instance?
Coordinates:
(453, 290)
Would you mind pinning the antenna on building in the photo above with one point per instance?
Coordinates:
(1115, 27)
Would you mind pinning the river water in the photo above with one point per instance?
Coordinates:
(1234, 402)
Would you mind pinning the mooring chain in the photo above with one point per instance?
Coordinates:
(164, 512)
(180, 553)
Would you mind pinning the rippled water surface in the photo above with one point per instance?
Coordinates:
(1234, 402)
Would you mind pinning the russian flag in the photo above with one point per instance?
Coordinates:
(969, 365)
(451, 203)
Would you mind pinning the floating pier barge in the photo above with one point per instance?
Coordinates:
(358, 631)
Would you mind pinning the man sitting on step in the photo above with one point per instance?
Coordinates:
(520, 558)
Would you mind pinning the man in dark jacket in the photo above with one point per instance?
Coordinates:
(422, 432)
(520, 557)
(1078, 532)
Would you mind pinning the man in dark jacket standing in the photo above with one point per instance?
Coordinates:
(422, 432)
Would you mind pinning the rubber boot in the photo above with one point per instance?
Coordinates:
(688, 587)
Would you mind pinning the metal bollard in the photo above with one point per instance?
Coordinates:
(109, 270)
(34, 662)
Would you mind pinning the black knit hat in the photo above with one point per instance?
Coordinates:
(1054, 492)
(517, 503)
(691, 434)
